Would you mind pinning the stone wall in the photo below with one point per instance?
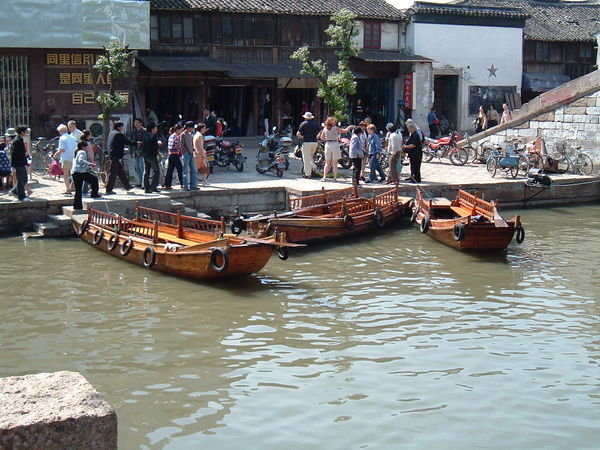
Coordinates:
(576, 123)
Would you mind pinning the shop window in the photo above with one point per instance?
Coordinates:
(202, 29)
(542, 51)
(372, 35)
(154, 27)
(585, 51)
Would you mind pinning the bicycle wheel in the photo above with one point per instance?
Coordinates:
(471, 152)
(584, 164)
(563, 162)
(524, 164)
(103, 174)
(514, 171)
(491, 165)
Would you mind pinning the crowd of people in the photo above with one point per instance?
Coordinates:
(365, 148)
(187, 157)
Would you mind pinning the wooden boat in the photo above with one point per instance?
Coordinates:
(327, 215)
(466, 223)
(177, 244)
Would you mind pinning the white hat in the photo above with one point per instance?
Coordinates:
(308, 115)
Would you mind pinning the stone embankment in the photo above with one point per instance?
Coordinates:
(248, 191)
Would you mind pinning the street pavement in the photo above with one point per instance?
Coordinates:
(433, 173)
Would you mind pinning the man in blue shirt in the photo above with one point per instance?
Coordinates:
(434, 124)
(374, 146)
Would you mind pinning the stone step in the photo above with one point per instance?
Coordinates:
(47, 229)
(62, 220)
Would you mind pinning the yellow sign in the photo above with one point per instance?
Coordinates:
(87, 98)
(71, 59)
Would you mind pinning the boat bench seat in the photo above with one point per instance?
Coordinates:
(175, 239)
(462, 212)
(440, 201)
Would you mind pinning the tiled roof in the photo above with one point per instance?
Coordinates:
(371, 9)
(390, 56)
(463, 10)
(552, 21)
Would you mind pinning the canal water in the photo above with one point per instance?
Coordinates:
(389, 342)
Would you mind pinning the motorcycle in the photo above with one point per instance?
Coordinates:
(227, 153)
(344, 161)
(273, 154)
(445, 148)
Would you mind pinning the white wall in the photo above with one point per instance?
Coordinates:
(470, 51)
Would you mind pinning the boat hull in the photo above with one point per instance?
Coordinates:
(196, 264)
(312, 227)
(477, 236)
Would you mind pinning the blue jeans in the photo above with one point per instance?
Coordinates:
(189, 165)
(375, 167)
(138, 163)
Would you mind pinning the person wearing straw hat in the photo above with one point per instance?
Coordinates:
(308, 131)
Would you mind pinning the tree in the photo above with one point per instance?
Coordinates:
(113, 65)
(334, 87)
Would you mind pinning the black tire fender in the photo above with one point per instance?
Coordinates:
(151, 253)
(425, 223)
(378, 218)
(126, 247)
(216, 253)
(520, 234)
(459, 232)
(238, 225)
(409, 208)
(113, 240)
(98, 235)
(415, 213)
(349, 222)
(82, 227)
(283, 253)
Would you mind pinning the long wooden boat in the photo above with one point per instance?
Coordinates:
(466, 223)
(328, 215)
(177, 244)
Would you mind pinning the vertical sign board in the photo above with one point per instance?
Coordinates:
(408, 91)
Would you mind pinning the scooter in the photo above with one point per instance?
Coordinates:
(273, 154)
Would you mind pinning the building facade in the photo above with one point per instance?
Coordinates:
(559, 41)
(45, 73)
(476, 53)
(232, 58)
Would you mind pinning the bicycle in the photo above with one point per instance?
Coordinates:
(104, 167)
(580, 163)
(42, 151)
(504, 161)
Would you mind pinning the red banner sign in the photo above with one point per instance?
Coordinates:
(408, 91)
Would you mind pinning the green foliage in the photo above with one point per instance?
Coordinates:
(114, 64)
(334, 87)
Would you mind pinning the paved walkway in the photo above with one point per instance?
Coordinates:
(433, 173)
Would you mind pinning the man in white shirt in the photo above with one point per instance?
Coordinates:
(66, 151)
(74, 131)
(394, 149)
